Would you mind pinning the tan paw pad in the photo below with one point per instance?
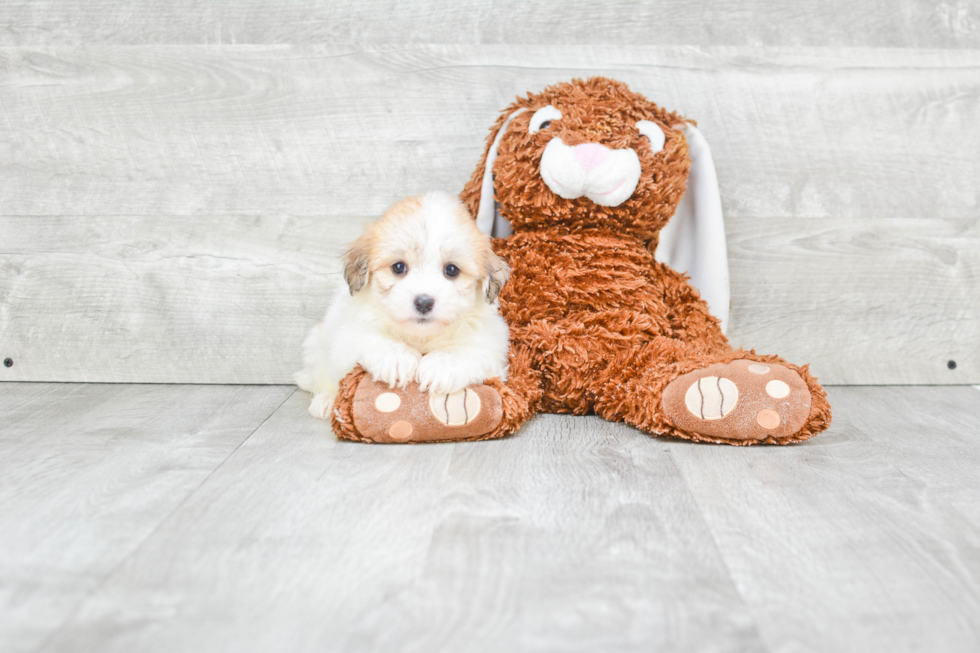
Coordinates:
(456, 409)
(768, 419)
(741, 400)
(400, 431)
(777, 389)
(385, 414)
(711, 397)
(387, 402)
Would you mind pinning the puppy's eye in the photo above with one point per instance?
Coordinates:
(542, 119)
(399, 268)
(451, 271)
(653, 133)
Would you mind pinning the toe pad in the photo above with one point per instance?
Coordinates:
(385, 414)
(741, 400)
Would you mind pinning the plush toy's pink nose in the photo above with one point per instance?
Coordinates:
(590, 155)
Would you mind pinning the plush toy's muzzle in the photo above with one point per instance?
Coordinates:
(581, 179)
(605, 176)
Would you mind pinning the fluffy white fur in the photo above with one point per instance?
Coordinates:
(460, 341)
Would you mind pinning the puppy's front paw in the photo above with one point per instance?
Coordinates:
(442, 373)
(321, 405)
(395, 366)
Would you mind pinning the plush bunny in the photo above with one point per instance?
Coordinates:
(577, 183)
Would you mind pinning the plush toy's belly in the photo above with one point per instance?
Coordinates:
(577, 302)
(592, 281)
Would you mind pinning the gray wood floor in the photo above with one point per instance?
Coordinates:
(224, 518)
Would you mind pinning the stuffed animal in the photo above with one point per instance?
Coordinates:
(586, 175)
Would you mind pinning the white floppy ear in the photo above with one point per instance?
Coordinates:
(488, 218)
(693, 241)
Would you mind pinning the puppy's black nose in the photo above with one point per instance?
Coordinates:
(424, 303)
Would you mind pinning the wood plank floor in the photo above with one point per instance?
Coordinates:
(224, 518)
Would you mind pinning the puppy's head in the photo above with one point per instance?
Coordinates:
(425, 264)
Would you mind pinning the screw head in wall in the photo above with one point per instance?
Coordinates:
(8, 362)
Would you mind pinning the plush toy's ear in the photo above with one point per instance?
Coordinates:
(693, 241)
(488, 218)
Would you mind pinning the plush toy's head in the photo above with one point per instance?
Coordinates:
(583, 155)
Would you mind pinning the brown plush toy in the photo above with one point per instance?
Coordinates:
(587, 174)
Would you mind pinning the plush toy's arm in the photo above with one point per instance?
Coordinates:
(370, 411)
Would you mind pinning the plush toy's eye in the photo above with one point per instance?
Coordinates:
(542, 119)
(399, 268)
(451, 271)
(654, 134)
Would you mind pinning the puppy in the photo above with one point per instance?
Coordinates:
(422, 306)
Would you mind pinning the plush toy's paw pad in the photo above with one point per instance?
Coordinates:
(741, 400)
(385, 414)
(457, 408)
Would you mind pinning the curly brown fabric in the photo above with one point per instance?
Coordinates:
(597, 325)
(342, 415)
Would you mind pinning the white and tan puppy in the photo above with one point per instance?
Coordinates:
(422, 306)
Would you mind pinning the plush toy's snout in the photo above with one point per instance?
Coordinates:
(577, 184)
(607, 177)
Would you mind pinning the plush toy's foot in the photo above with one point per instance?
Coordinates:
(742, 400)
(385, 414)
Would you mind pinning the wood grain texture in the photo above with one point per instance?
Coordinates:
(575, 535)
(892, 422)
(856, 540)
(333, 130)
(174, 214)
(176, 300)
(872, 301)
(900, 23)
(90, 473)
(560, 539)
(230, 300)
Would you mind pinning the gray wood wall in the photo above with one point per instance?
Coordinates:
(177, 179)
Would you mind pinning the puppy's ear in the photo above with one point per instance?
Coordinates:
(497, 274)
(357, 265)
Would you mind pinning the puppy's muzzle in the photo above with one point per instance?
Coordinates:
(424, 304)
